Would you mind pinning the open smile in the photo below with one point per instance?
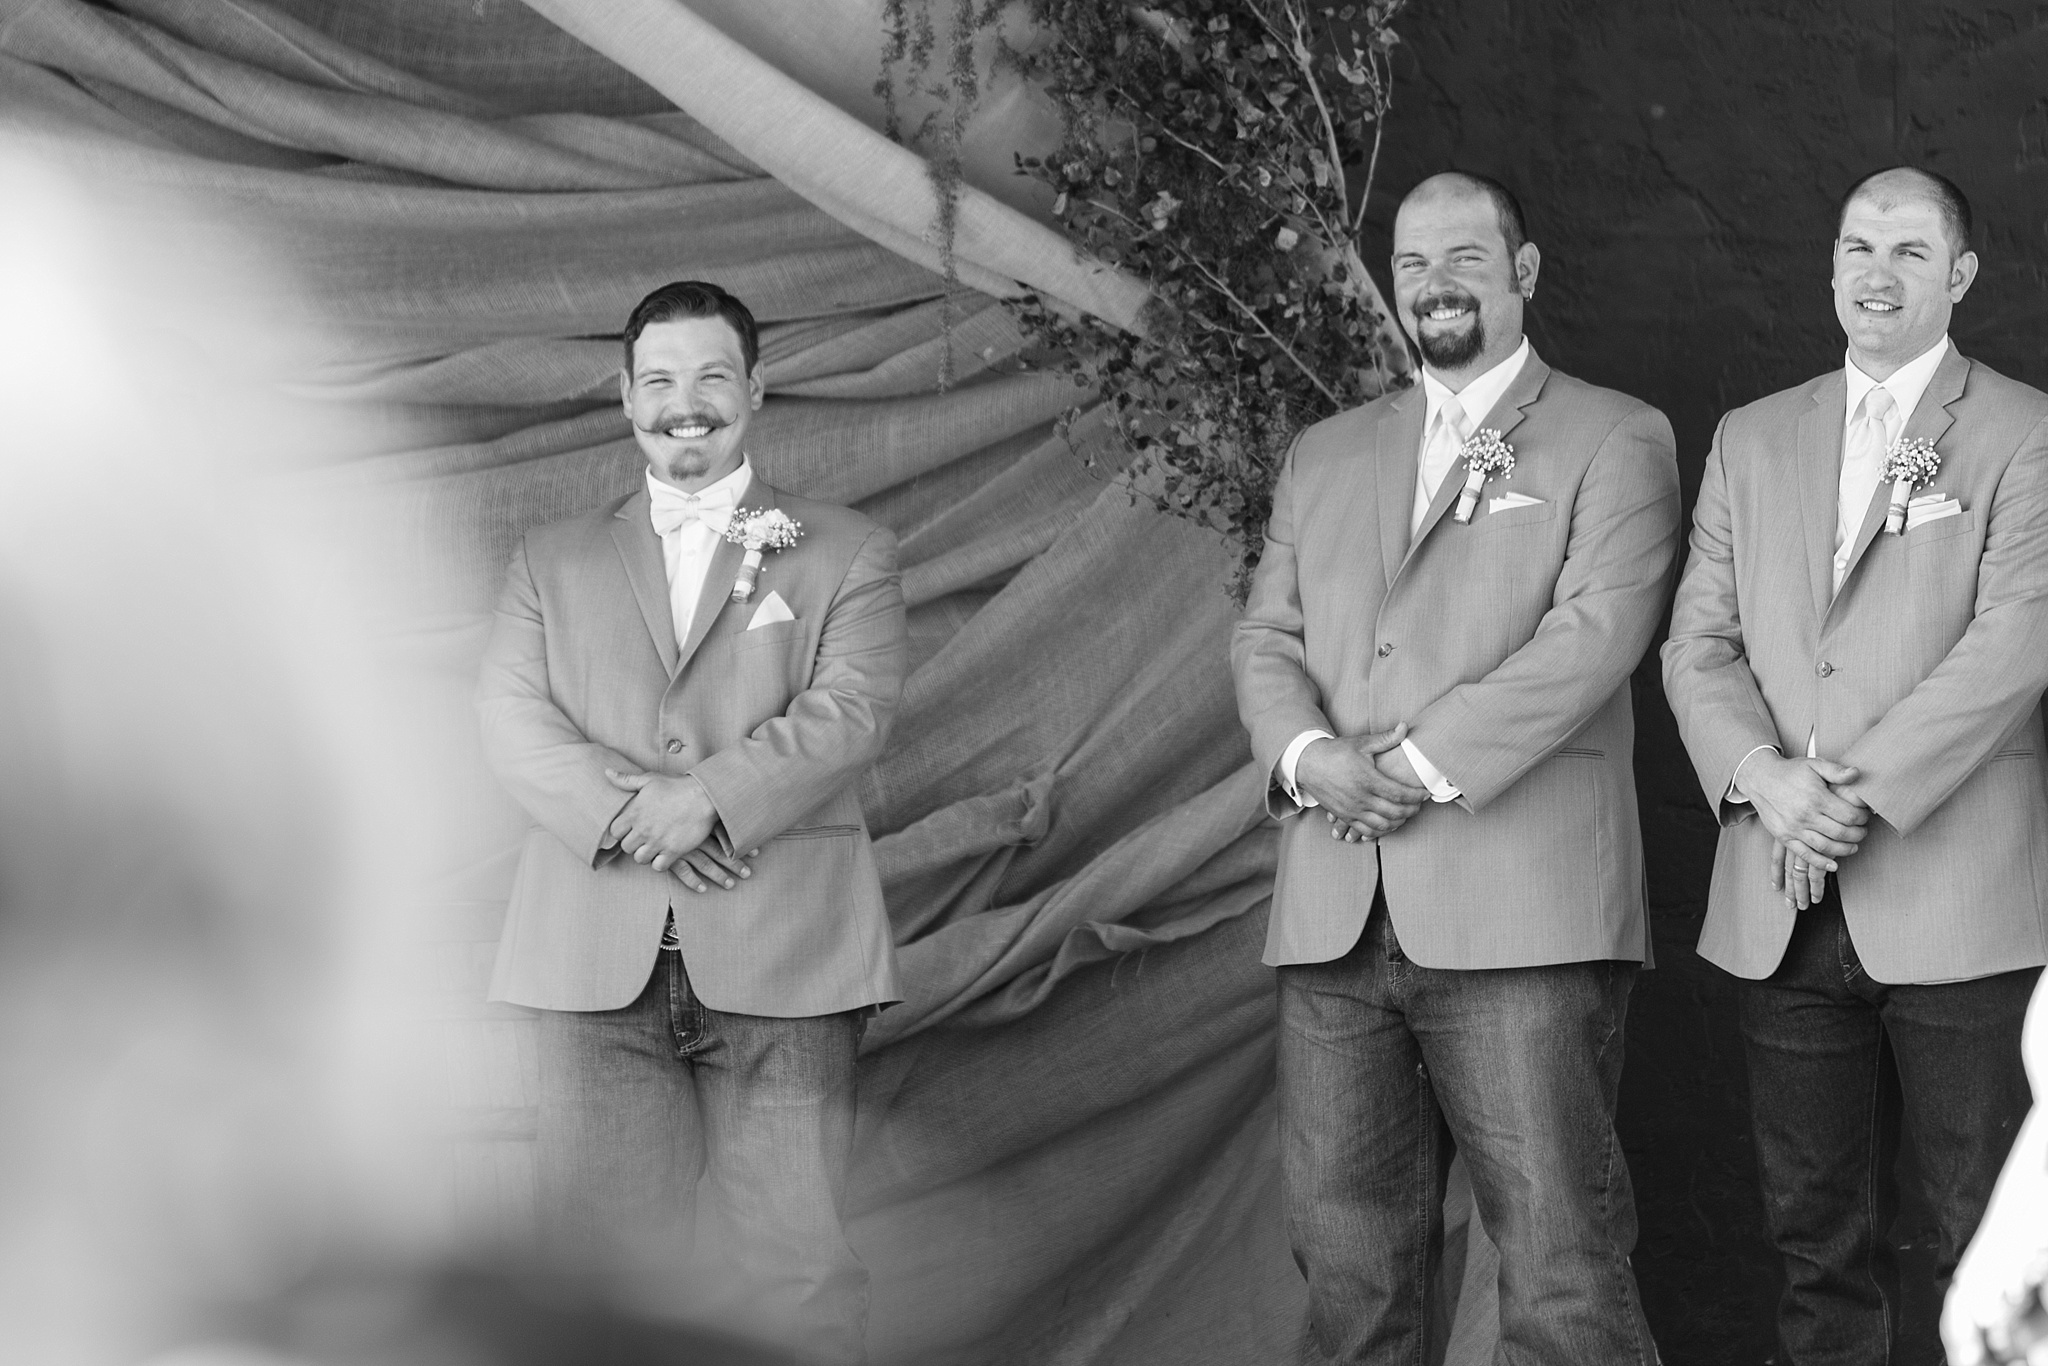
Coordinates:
(1877, 306)
(1444, 307)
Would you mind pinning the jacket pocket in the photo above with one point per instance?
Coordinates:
(1512, 517)
(1580, 752)
(774, 633)
(1942, 529)
(819, 832)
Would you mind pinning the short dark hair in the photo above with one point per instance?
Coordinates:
(693, 299)
(1514, 229)
(1949, 201)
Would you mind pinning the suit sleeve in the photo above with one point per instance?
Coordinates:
(835, 728)
(538, 753)
(1486, 734)
(1937, 735)
(1721, 711)
(1276, 699)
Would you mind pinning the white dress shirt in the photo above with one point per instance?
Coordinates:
(1853, 493)
(1433, 461)
(690, 526)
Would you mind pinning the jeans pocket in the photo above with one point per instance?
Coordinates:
(1845, 952)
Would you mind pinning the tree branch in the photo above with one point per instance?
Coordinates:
(1382, 101)
(1250, 314)
(1305, 60)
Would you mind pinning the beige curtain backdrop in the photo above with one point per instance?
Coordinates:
(1067, 1149)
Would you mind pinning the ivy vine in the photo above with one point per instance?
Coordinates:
(1224, 152)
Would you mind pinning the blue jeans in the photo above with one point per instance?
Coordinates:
(1838, 1064)
(1384, 1066)
(653, 1110)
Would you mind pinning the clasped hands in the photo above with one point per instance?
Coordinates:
(1365, 784)
(668, 824)
(1811, 812)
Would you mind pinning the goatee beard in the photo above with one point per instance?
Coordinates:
(1453, 350)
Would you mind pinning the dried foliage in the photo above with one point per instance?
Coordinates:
(1223, 151)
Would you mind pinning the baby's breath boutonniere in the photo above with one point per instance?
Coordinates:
(761, 530)
(1910, 464)
(1485, 453)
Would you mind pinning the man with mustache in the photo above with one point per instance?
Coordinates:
(697, 913)
(1860, 697)
(1457, 936)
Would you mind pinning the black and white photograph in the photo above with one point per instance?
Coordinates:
(1023, 683)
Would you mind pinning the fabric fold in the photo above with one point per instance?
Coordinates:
(1066, 1145)
(879, 189)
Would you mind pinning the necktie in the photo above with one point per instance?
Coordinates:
(1863, 454)
(1446, 438)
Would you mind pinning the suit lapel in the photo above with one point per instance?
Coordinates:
(725, 567)
(1507, 414)
(1504, 417)
(1931, 419)
(1446, 494)
(1397, 453)
(640, 549)
(1817, 469)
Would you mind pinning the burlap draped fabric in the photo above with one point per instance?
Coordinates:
(1066, 1143)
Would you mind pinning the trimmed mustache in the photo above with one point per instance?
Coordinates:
(1445, 299)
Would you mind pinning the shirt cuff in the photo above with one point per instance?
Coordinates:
(1734, 793)
(1440, 789)
(1291, 756)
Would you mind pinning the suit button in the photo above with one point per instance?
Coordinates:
(1386, 650)
(675, 747)
(1825, 669)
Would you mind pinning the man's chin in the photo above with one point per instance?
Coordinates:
(693, 466)
(1892, 344)
(1452, 350)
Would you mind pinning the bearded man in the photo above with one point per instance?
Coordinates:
(1860, 695)
(1457, 938)
(697, 913)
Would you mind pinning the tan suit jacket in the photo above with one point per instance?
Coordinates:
(583, 672)
(1505, 644)
(1925, 672)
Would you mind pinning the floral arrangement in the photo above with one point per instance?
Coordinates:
(759, 530)
(1908, 465)
(1484, 454)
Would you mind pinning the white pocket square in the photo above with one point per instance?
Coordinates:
(1922, 511)
(771, 610)
(1511, 500)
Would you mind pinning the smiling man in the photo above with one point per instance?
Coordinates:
(1861, 700)
(1457, 931)
(697, 911)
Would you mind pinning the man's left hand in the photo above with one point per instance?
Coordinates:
(1801, 883)
(1394, 763)
(667, 819)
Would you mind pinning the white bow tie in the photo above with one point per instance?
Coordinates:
(670, 509)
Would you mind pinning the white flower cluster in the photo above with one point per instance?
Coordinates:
(763, 529)
(1914, 462)
(1486, 453)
